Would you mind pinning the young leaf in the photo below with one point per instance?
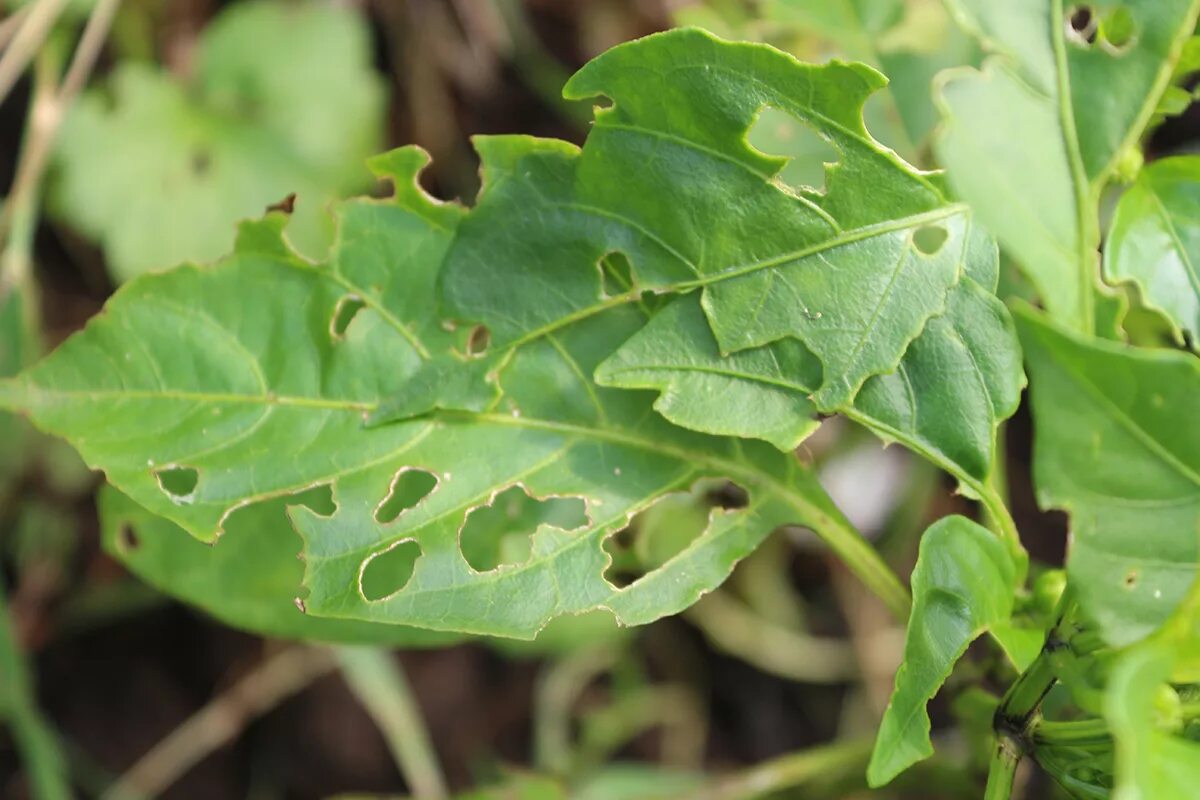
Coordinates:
(248, 581)
(203, 390)
(1031, 140)
(1117, 447)
(667, 179)
(1155, 240)
(963, 584)
(282, 100)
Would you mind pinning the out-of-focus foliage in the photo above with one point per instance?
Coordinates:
(1155, 241)
(279, 98)
(1032, 140)
(910, 41)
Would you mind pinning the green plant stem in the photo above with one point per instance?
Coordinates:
(1074, 733)
(1086, 224)
(1003, 769)
(828, 762)
(380, 685)
(1024, 697)
(34, 738)
(1019, 713)
(1089, 732)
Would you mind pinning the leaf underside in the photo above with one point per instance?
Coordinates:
(470, 353)
(188, 390)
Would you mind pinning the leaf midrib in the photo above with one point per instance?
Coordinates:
(731, 273)
(216, 398)
(616, 373)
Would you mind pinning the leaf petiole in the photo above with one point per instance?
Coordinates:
(1003, 769)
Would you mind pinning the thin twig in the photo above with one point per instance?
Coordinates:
(27, 41)
(380, 685)
(11, 24)
(94, 35)
(284, 674)
(47, 115)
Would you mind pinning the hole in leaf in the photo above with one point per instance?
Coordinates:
(728, 496)
(776, 133)
(928, 239)
(616, 275)
(178, 482)
(318, 500)
(1082, 26)
(1131, 579)
(127, 538)
(500, 532)
(478, 341)
(389, 571)
(1118, 30)
(409, 487)
(343, 314)
(666, 529)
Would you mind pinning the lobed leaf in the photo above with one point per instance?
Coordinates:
(1031, 139)
(1155, 241)
(963, 584)
(249, 581)
(282, 99)
(667, 179)
(955, 383)
(1116, 447)
(207, 389)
